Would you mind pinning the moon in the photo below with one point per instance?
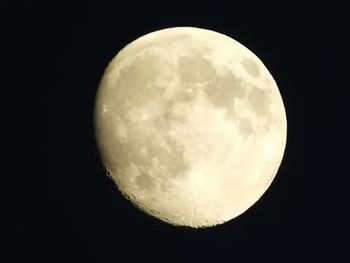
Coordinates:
(190, 125)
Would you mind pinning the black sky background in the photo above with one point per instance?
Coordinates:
(299, 219)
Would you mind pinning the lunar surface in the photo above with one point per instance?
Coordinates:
(190, 125)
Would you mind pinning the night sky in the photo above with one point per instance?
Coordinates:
(87, 220)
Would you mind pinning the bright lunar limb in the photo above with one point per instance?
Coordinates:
(190, 125)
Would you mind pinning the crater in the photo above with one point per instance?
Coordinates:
(251, 67)
(144, 181)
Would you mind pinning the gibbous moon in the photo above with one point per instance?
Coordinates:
(190, 125)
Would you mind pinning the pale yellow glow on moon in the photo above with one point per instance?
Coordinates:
(190, 125)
